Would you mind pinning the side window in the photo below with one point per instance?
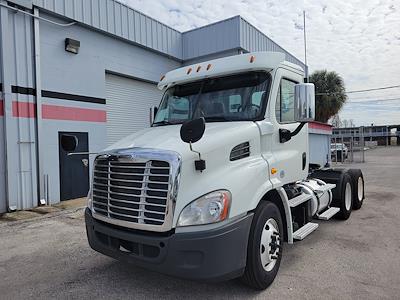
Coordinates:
(278, 105)
(285, 102)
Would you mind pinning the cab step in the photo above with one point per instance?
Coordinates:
(329, 213)
(325, 187)
(299, 200)
(302, 232)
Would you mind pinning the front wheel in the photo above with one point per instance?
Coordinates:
(264, 251)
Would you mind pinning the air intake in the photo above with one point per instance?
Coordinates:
(240, 151)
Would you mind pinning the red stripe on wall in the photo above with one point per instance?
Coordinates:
(55, 112)
(1, 108)
(23, 109)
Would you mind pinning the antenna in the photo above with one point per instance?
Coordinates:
(305, 44)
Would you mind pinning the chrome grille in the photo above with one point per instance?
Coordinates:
(132, 191)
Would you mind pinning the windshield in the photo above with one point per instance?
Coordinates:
(239, 97)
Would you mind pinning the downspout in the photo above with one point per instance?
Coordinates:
(5, 58)
(43, 199)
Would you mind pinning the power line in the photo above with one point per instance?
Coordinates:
(374, 89)
(361, 91)
(369, 97)
(373, 100)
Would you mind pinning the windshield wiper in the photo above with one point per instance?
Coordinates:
(165, 122)
(217, 119)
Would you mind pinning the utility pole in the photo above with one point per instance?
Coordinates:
(305, 43)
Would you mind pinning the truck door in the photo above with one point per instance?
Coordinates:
(290, 159)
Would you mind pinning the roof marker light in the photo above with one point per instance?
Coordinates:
(208, 67)
(198, 68)
(252, 58)
(188, 71)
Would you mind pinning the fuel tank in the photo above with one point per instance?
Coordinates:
(321, 198)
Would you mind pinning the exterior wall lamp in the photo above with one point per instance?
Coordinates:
(72, 45)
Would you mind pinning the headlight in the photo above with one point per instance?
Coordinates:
(211, 208)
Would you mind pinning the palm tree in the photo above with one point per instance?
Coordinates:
(330, 94)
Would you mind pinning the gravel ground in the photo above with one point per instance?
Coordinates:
(356, 259)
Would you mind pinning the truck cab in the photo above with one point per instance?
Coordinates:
(221, 179)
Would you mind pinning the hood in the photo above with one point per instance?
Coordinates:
(167, 137)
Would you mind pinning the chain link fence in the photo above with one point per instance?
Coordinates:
(349, 147)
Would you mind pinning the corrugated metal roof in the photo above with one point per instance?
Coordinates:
(120, 20)
(125, 22)
(212, 38)
(252, 39)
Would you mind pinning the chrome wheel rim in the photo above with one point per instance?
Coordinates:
(347, 196)
(270, 244)
(360, 188)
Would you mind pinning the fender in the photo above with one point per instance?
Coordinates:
(288, 215)
(261, 194)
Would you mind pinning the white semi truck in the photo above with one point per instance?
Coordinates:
(222, 178)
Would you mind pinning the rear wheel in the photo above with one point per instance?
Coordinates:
(357, 180)
(345, 200)
(264, 251)
(342, 193)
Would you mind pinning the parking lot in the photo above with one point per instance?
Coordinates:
(49, 257)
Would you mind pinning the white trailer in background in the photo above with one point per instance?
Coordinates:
(320, 135)
(221, 180)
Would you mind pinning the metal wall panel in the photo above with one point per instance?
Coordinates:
(96, 134)
(84, 74)
(251, 39)
(19, 129)
(3, 202)
(128, 106)
(211, 56)
(213, 38)
(120, 20)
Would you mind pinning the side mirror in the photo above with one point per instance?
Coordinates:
(193, 130)
(304, 102)
(69, 142)
(153, 113)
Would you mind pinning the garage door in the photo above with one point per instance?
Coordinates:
(128, 105)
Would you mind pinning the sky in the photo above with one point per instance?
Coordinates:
(360, 40)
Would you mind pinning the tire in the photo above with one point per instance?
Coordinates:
(345, 199)
(357, 180)
(340, 177)
(339, 156)
(261, 265)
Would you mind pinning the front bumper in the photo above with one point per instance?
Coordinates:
(217, 254)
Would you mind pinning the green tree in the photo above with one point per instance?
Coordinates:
(330, 94)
